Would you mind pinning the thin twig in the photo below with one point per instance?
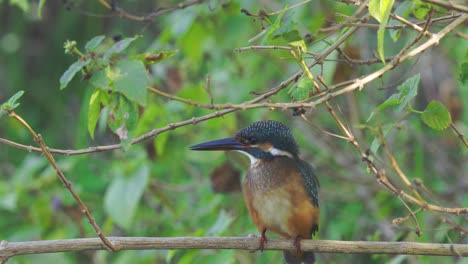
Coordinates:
(289, 8)
(122, 13)
(391, 27)
(397, 168)
(459, 134)
(448, 5)
(411, 25)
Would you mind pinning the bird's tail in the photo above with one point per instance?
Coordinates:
(292, 257)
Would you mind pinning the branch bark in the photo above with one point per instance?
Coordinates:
(10, 249)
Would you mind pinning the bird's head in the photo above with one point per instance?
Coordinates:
(260, 140)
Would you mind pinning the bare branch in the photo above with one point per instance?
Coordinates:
(10, 249)
(448, 5)
(122, 13)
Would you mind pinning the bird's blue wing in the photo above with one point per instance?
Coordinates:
(311, 181)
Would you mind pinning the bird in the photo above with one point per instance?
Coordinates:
(280, 189)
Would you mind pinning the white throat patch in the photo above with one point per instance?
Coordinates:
(253, 160)
(273, 151)
(278, 152)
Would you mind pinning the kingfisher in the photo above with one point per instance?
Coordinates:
(280, 190)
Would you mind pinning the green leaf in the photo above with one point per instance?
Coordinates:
(302, 90)
(40, 8)
(94, 110)
(420, 9)
(436, 116)
(275, 26)
(374, 9)
(300, 44)
(394, 99)
(287, 28)
(15, 97)
(380, 10)
(100, 79)
(408, 90)
(22, 4)
(403, 10)
(71, 71)
(94, 43)
(122, 196)
(11, 104)
(131, 80)
(119, 47)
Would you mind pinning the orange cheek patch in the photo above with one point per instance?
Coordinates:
(265, 146)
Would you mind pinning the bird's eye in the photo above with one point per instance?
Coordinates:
(248, 141)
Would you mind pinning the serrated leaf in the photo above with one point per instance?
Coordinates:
(118, 47)
(122, 196)
(302, 90)
(71, 72)
(408, 90)
(94, 110)
(94, 43)
(436, 116)
(131, 80)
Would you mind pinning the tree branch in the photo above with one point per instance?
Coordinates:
(10, 249)
(448, 5)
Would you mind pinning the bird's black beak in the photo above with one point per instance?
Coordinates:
(220, 144)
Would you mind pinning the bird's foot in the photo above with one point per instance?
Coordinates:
(297, 244)
(263, 240)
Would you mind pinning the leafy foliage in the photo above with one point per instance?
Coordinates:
(158, 187)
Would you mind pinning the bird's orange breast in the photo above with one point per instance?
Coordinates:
(280, 202)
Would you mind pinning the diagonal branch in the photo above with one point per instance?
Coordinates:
(448, 5)
(64, 180)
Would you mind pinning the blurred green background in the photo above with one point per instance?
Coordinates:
(160, 188)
